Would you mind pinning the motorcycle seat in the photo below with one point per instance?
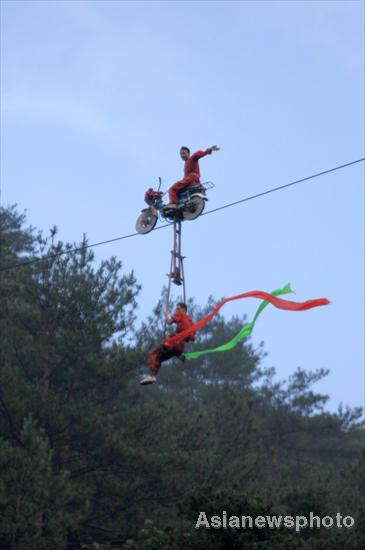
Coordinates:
(193, 188)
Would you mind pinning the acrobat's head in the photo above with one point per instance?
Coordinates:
(184, 152)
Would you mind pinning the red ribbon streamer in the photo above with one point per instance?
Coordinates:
(274, 300)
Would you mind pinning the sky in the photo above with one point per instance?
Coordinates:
(96, 100)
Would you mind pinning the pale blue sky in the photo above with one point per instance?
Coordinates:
(96, 99)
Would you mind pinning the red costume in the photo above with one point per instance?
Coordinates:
(164, 352)
(191, 174)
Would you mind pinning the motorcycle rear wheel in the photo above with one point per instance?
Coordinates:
(193, 208)
(146, 222)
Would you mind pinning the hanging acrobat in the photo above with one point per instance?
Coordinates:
(173, 345)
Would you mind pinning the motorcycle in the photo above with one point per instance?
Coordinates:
(191, 204)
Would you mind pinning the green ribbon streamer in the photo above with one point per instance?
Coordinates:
(244, 332)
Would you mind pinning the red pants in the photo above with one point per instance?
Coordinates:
(161, 354)
(179, 185)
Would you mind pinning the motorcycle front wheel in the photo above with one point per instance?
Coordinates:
(146, 222)
(193, 208)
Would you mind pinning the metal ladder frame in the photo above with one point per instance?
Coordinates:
(176, 274)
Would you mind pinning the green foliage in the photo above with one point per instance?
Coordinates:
(90, 459)
(32, 495)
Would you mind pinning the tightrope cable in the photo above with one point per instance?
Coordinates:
(257, 195)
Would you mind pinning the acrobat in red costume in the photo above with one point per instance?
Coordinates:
(163, 352)
(191, 170)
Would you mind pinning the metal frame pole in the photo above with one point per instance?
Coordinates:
(176, 274)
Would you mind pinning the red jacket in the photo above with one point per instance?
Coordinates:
(182, 320)
(192, 164)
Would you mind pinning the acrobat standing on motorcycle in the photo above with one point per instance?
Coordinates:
(191, 172)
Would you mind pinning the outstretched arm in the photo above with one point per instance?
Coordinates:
(199, 154)
(211, 149)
